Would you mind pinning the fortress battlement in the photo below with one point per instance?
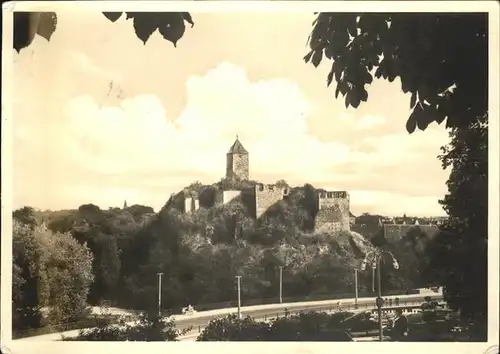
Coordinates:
(261, 187)
(333, 207)
(333, 195)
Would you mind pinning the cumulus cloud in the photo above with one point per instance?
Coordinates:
(369, 121)
(135, 150)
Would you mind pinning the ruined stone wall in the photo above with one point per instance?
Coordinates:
(191, 204)
(267, 195)
(333, 211)
(228, 196)
(224, 197)
(395, 232)
(332, 227)
(237, 166)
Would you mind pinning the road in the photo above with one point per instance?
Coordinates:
(199, 320)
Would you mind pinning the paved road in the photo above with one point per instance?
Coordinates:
(198, 323)
(200, 319)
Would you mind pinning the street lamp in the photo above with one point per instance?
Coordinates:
(281, 284)
(376, 259)
(238, 278)
(356, 288)
(159, 293)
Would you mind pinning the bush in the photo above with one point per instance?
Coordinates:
(311, 326)
(150, 327)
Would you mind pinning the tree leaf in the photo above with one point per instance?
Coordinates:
(131, 15)
(144, 25)
(363, 95)
(413, 99)
(316, 58)
(172, 27)
(47, 24)
(329, 78)
(411, 123)
(187, 16)
(112, 16)
(347, 99)
(25, 27)
(355, 98)
(308, 56)
(337, 90)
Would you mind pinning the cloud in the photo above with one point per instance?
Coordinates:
(134, 149)
(369, 121)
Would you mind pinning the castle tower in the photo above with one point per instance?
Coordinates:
(237, 162)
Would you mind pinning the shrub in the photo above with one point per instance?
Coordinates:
(150, 327)
(311, 326)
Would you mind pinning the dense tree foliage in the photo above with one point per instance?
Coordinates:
(51, 271)
(459, 254)
(200, 253)
(442, 60)
(430, 53)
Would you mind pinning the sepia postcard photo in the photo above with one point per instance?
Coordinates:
(293, 175)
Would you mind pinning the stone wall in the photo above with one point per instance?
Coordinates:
(191, 204)
(267, 195)
(332, 227)
(395, 232)
(237, 166)
(333, 211)
(224, 197)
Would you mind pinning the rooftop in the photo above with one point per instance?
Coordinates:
(237, 148)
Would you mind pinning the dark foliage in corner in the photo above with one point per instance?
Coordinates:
(171, 25)
(429, 53)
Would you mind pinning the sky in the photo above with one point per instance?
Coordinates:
(101, 118)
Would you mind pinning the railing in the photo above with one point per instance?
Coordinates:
(408, 306)
(275, 300)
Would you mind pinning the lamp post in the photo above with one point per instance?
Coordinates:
(238, 279)
(281, 284)
(377, 258)
(373, 279)
(159, 293)
(355, 288)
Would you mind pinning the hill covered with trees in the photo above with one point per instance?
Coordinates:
(200, 253)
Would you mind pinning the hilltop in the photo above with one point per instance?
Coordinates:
(201, 251)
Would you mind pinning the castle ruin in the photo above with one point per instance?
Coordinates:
(333, 207)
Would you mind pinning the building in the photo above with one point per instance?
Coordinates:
(333, 207)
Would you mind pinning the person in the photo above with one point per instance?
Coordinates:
(400, 328)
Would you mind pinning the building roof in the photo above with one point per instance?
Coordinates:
(237, 148)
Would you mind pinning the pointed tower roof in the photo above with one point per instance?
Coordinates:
(237, 148)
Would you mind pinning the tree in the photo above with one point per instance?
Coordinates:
(430, 53)
(29, 285)
(26, 216)
(458, 254)
(50, 270)
(171, 25)
(442, 60)
(69, 273)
